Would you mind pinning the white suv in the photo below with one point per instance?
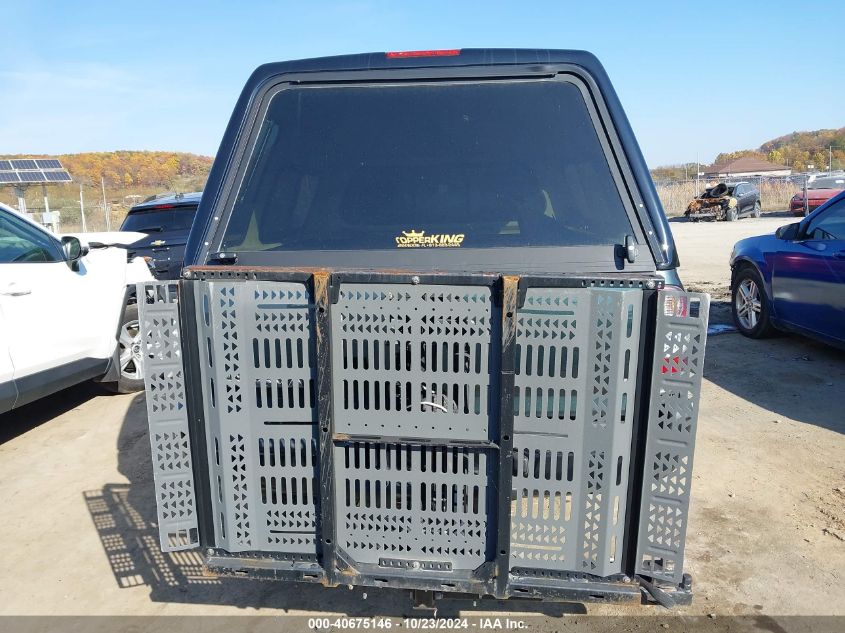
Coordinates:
(67, 313)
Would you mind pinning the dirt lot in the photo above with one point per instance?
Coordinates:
(767, 531)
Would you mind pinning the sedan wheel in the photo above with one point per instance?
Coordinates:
(131, 358)
(750, 306)
(130, 351)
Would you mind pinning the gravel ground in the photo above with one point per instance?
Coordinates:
(767, 527)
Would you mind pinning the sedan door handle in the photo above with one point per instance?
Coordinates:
(839, 255)
(14, 290)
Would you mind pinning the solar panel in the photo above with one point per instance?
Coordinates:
(32, 176)
(57, 176)
(48, 163)
(25, 171)
(23, 164)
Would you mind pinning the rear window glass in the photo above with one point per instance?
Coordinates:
(177, 219)
(460, 165)
(835, 182)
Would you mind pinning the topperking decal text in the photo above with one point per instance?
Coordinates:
(418, 239)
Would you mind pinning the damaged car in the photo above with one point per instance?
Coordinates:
(725, 201)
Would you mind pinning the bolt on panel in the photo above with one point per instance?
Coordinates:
(258, 379)
(424, 504)
(575, 388)
(673, 416)
(414, 361)
(167, 416)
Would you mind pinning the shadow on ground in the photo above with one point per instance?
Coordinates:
(125, 518)
(19, 421)
(790, 376)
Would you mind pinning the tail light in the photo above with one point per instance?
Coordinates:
(450, 52)
(674, 305)
(681, 306)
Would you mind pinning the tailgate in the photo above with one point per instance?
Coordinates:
(484, 433)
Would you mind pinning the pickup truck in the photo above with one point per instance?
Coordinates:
(429, 335)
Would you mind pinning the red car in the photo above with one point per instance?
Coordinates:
(819, 191)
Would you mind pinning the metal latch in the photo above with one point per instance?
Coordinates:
(629, 249)
(223, 258)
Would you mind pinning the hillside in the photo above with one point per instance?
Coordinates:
(797, 150)
(127, 169)
(126, 176)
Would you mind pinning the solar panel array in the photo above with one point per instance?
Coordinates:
(26, 171)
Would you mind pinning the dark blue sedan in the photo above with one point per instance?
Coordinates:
(794, 280)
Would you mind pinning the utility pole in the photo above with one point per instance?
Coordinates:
(105, 205)
(830, 158)
(806, 202)
(82, 209)
(697, 171)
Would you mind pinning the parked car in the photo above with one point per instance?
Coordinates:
(793, 280)
(725, 201)
(67, 313)
(165, 221)
(427, 299)
(819, 190)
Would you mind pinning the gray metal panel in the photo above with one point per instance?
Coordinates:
(413, 361)
(577, 359)
(545, 501)
(167, 416)
(607, 443)
(288, 489)
(398, 504)
(258, 381)
(675, 394)
(551, 377)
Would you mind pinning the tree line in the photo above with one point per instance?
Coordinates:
(798, 151)
(133, 169)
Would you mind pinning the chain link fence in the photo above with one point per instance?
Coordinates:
(68, 219)
(89, 206)
(775, 192)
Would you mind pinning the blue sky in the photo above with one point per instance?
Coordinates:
(164, 75)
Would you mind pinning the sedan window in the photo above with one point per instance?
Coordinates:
(830, 225)
(22, 243)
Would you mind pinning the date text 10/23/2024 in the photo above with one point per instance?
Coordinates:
(417, 623)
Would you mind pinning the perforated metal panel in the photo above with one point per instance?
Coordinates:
(288, 490)
(574, 397)
(410, 426)
(167, 416)
(258, 380)
(399, 504)
(413, 361)
(675, 392)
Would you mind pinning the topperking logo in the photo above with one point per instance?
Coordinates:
(418, 239)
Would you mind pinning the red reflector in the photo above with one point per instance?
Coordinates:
(451, 52)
